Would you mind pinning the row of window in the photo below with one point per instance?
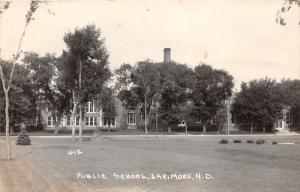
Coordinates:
(89, 121)
(89, 108)
(92, 121)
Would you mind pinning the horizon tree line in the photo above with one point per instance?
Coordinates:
(175, 90)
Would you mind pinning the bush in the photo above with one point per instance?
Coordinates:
(250, 141)
(237, 141)
(223, 141)
(274, 142)
(23, 138)
(260, 141)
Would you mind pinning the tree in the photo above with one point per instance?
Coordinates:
(259, 103)
(290, 91)
(159, 85)
(183, 111)
(175, 93)
(7, 80)
(22, 98)
(123, 77)
(123, 86)
(84, 68)
(42, 70)
(287, 5)
(211, 87)
(138, 84)
(147, 83)
(108, 105)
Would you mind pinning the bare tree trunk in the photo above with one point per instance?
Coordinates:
(204, 127)
(80, 108)
(186, 130)
(5, 90)
(109, 126)
(7, 126)
(220, 126)
(80, 123)
(251, 126)
(2, 77)
(39, 109)
(57, 124)
(264, 126)
(146, 129)
(73, 117)
(56, 131)
(73, 123)
(156, 123)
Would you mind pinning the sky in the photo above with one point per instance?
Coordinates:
(239, 36)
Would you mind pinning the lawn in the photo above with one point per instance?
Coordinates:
(175, 163)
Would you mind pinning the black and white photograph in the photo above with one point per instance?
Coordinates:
(149, 96)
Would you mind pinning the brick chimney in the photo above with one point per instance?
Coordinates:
(167, 55)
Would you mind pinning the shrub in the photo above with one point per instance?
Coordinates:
(274, 142)
(23, 137)
(223, 141)
(237, 141)
(260, 141)
(250, 141)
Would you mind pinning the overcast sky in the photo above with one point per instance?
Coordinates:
(240, 36)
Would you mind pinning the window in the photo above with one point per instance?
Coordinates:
(182, 123)
(232, 118)
(90, 107)
(131, 119)
(87, 120)
(68, 120)
(52, 120)
(112, 123)
(287, 118)
(91, 121)
(198, 121)
(95, 121)
(153, 118)
(49, 120)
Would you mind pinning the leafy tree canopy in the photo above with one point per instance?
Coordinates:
(86, 55)
(175, 92)
(258, 101)
(211, 87)
(287, 5)
(22, 97)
